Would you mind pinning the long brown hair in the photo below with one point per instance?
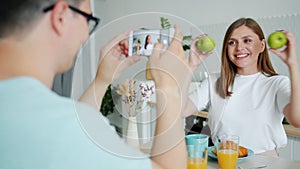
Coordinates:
(228, 69)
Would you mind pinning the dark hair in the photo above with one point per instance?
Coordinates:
(146, 41)
(228, 69)
(20, 15)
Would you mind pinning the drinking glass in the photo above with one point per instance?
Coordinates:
(227, 151)
(197, 148)
(197, 157)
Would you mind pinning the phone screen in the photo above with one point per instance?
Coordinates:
(141, 42)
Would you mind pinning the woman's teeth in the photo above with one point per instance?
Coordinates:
(241, 56)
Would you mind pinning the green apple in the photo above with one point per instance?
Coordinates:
(206, 44)
(277, 40)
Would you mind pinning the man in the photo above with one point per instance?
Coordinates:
(39, 129)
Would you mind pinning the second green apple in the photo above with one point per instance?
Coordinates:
(206, 44)
(277, 40)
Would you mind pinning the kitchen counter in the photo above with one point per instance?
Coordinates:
(290, 130)
(259, 161)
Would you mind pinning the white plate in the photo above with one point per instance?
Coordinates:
(214, 156)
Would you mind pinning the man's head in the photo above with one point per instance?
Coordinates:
(46, 31)
(19, 16)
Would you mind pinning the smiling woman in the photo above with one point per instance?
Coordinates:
(243, 49)
(248, 88)
(248, 38)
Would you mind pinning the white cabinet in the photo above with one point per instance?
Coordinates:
(285, 152)
(296, 150)
(292, 149)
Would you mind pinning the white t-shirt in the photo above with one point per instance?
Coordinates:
(254, 112)
(148, 50)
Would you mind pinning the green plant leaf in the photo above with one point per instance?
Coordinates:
(187, 37)
(165, 23)
(107, 105)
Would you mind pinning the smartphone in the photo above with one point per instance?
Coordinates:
(141, 42)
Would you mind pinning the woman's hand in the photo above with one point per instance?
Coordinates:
(289, 54)
(196, 56)
(289, 57)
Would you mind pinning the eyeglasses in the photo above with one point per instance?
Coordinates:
(91, 20)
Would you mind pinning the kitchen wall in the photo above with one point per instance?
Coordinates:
(199, 12)
(194, 16)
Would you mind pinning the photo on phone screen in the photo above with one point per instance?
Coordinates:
(141, 42)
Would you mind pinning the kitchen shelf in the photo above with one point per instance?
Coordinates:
(202, 114)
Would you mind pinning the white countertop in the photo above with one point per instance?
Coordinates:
(259, 161)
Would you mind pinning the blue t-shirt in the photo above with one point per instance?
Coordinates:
(40, 129)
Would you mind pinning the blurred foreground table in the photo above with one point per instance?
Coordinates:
(256, 161)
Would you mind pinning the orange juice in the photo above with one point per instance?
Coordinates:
(197, 163)
(227, 158)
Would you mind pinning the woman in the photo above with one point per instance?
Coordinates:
(148, 42)
(148, 47)
(248, 98)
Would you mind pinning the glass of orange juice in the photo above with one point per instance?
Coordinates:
(197, 157)
(227, 151)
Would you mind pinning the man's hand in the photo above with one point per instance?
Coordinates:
(111, 64)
